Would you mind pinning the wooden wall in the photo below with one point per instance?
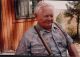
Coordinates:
(1, 39)
(12, 30)
(20, 27)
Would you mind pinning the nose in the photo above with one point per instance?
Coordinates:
(50, 18)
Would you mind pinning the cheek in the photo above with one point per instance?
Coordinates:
(42, 21)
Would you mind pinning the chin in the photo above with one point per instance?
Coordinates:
(48, 27)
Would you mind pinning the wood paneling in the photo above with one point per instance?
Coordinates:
(6, 23)
(12, 29)
(1, 39)
(19, 29)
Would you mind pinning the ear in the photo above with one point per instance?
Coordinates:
(35, 16)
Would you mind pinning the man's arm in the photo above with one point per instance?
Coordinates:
(72, 51)
(71, 47)
(22, 48)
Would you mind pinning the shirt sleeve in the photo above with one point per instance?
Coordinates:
(68, 38)
(22, 48)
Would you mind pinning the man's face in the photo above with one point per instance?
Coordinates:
(45, 17)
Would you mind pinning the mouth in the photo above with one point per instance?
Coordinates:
(49, 22)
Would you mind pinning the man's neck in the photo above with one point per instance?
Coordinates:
(47, 29)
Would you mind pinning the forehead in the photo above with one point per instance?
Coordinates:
(47, 7)
(46, 10)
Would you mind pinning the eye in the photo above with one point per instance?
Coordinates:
(51, 15)
(48, 16)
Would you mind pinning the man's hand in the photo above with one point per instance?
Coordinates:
(73, 51)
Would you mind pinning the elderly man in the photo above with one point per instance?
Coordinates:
(46, 37)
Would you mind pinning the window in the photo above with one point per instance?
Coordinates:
(24, 8)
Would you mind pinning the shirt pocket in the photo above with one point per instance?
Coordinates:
(62, 43)
(37, 47)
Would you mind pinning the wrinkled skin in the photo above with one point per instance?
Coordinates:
(45, 17)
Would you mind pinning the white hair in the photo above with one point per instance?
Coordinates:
(40, 5)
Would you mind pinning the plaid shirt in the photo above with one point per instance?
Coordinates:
(30, 44)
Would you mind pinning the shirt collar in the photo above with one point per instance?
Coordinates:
(54, 27)
(41, 28)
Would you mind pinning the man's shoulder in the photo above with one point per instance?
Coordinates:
(56, 25)
(30, 31)
(28, 34)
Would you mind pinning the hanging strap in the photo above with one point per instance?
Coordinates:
(43, 41)
(61, 31)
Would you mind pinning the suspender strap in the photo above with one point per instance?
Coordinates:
(60, 30)
(44, 43)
